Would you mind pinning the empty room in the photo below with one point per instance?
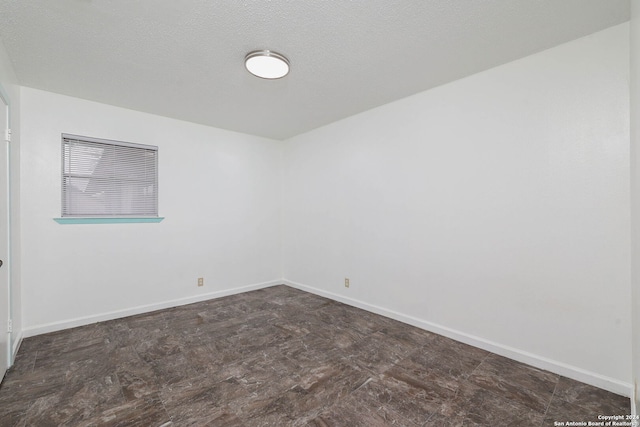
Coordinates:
(320, 213)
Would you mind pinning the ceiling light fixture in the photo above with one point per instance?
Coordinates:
(266, 64)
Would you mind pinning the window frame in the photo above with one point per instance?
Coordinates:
(105, 217)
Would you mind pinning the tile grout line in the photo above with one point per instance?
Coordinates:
(544, 416)
(164, 408)
(484, 359)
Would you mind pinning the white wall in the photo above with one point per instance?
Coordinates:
(494, 209)
(635, 196)
(219, 191)
(9, 82)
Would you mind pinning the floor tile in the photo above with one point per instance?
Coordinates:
(279, 357)
(354, 413)
(316, 389)
(475, 406)
(592, 399)
(398, 393)
(143, 412)
(378, 352)
(453, 359)
(527, 385)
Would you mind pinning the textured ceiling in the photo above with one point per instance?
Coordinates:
(184, 58)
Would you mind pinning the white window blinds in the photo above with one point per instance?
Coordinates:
(108, 178)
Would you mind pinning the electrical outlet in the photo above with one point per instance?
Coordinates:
(200, 281)
(346, 282)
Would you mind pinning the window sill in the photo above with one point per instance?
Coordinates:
(107, 220)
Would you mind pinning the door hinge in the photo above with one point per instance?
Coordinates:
(8, 135)
(10, 326)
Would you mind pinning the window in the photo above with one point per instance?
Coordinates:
(102, 178)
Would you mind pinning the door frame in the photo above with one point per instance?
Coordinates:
(4, 98)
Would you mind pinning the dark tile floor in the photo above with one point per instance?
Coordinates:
(279, 357)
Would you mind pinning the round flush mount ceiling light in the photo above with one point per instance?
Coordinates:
(266, 64)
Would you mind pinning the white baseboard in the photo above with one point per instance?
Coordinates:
(611, 384)
(15, 347)
(87, 320)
